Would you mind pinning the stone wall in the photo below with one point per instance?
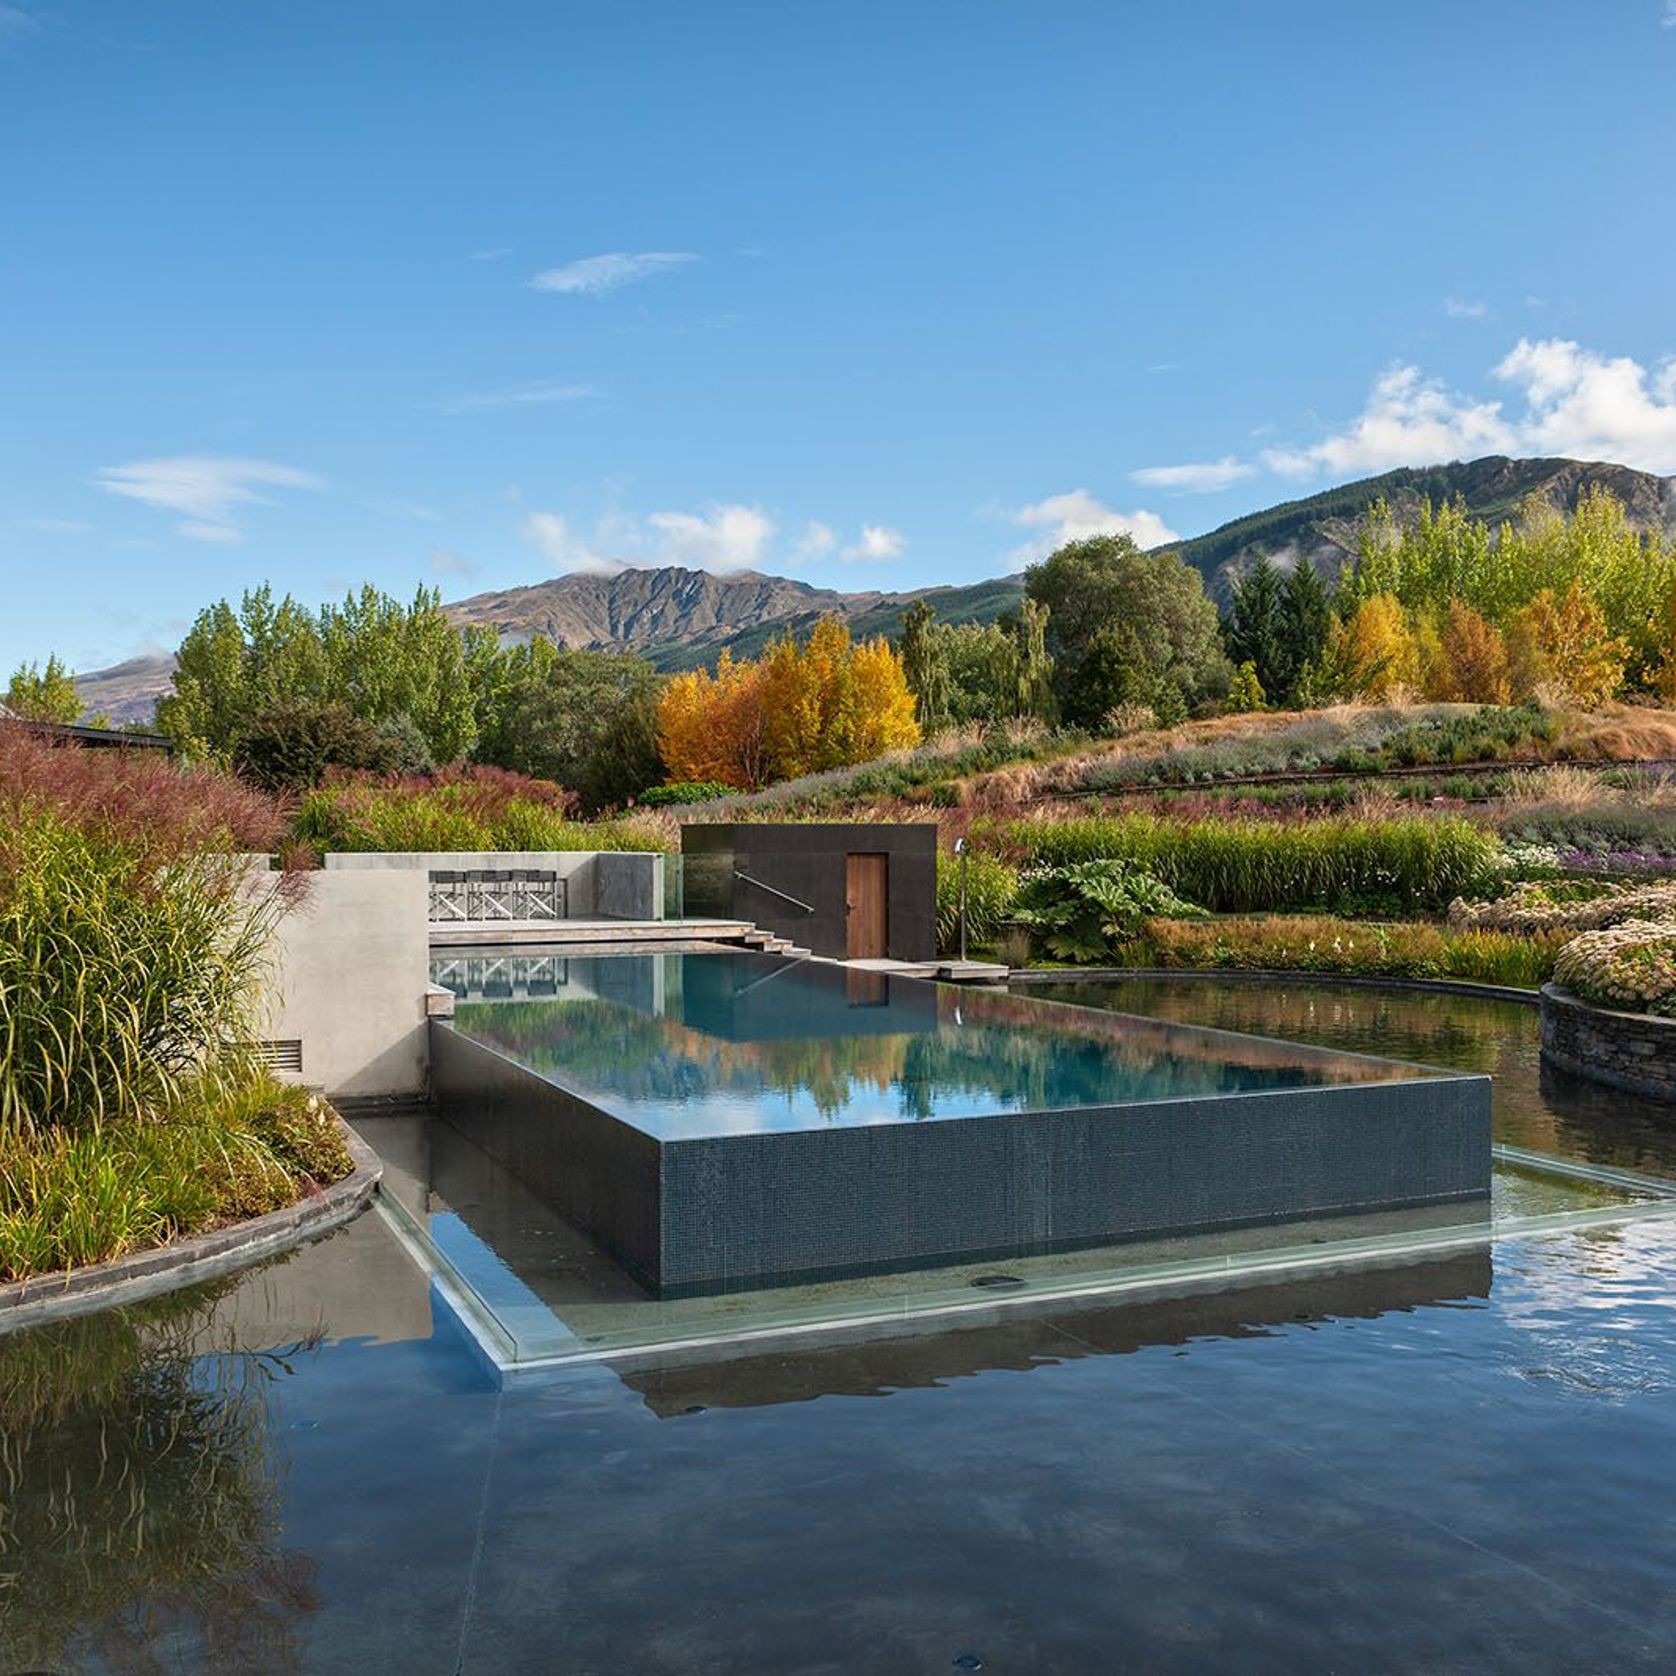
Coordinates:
(1632, 1051)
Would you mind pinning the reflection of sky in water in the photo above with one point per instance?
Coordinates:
(683, 1046)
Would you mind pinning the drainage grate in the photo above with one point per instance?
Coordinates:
(282, 1055)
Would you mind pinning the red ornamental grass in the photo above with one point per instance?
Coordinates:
(473, 788)
(140, 797)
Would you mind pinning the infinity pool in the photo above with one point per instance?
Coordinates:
(721, 1121)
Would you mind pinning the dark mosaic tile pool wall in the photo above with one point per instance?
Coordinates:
(734, 1212)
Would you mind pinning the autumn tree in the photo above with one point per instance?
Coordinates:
(1561, 645)
(1474, 658)
(36, 694)
(1375, 650)
(799, 709)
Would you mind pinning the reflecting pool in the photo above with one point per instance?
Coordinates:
(1462, 1464)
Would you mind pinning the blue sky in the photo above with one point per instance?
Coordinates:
(874, 294)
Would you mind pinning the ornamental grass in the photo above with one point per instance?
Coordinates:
(1343, 864)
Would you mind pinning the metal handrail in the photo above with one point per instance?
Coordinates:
(796, 902)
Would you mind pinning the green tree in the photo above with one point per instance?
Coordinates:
(1304, 625)
(1245, 691)
(1095, 587)
(585, 719)
(925, 666)
(1253, 629)
(1033, 662)
(43, 695)
(982, 664)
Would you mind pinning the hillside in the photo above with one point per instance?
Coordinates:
(681, 618)
(1322, 527)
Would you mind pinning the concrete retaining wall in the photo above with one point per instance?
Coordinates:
(352, 967)
(1632, 1051)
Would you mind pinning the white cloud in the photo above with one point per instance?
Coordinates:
(1461, 308)
(516, 395)
(877, 541)
(816, 541)
(593, 276)
(492, 255)
(567, 552)
(1199, 477)
(1576, 402)
(1409, 420)
(724, 538)
(1076, 516)
(1669, 18)
(205, 489)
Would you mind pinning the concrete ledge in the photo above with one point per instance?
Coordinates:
(1117, 974)
(166, 1268)
(1635, 1052)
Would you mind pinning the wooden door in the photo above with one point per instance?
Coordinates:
(866, 920)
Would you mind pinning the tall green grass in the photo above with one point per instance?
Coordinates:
(1344, 865)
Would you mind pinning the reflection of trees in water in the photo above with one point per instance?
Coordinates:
(139, 1500)
(1014, 1060)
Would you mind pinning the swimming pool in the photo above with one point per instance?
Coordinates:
(721, 1121)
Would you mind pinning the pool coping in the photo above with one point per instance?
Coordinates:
(180, 1263)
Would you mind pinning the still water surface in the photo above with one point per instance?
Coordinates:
(1462, 1465)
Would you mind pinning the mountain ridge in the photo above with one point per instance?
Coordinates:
(679, 618)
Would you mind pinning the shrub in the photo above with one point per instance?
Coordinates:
(1568, 906)
(474, 808)
(1632, 966)
(1313, 944)
(991, 886)
(1246, 866)
(1081, 911)
(289, 747)
(685, 791)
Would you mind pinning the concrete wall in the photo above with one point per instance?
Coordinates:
(1632, 1051)
(630, 886)
(351, 969)
(807, 861)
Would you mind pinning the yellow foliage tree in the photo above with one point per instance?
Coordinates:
(1376, 649)
(1473, 663)
(796, 710)
(1562, 644)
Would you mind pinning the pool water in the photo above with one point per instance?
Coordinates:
(723, 1043)
(1464, 1463)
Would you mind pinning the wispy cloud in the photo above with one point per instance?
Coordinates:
(816, 541)
(57, 526)
(1462, 308)
(594, 276)
(1574, 401)
(205, 489)
(492, 255)
(1669, 18)
(1076, 515)
(877, 541)
(446, 562)
(1196, 477)
(516, 395)
(565, 550)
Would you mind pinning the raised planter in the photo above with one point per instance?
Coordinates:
(166, 1268)
(1632, 1051)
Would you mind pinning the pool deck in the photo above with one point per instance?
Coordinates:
(500, 933)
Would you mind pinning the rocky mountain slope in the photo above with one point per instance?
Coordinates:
(680, 618)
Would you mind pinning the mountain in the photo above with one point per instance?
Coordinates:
(1323, 527)
(681, 618)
